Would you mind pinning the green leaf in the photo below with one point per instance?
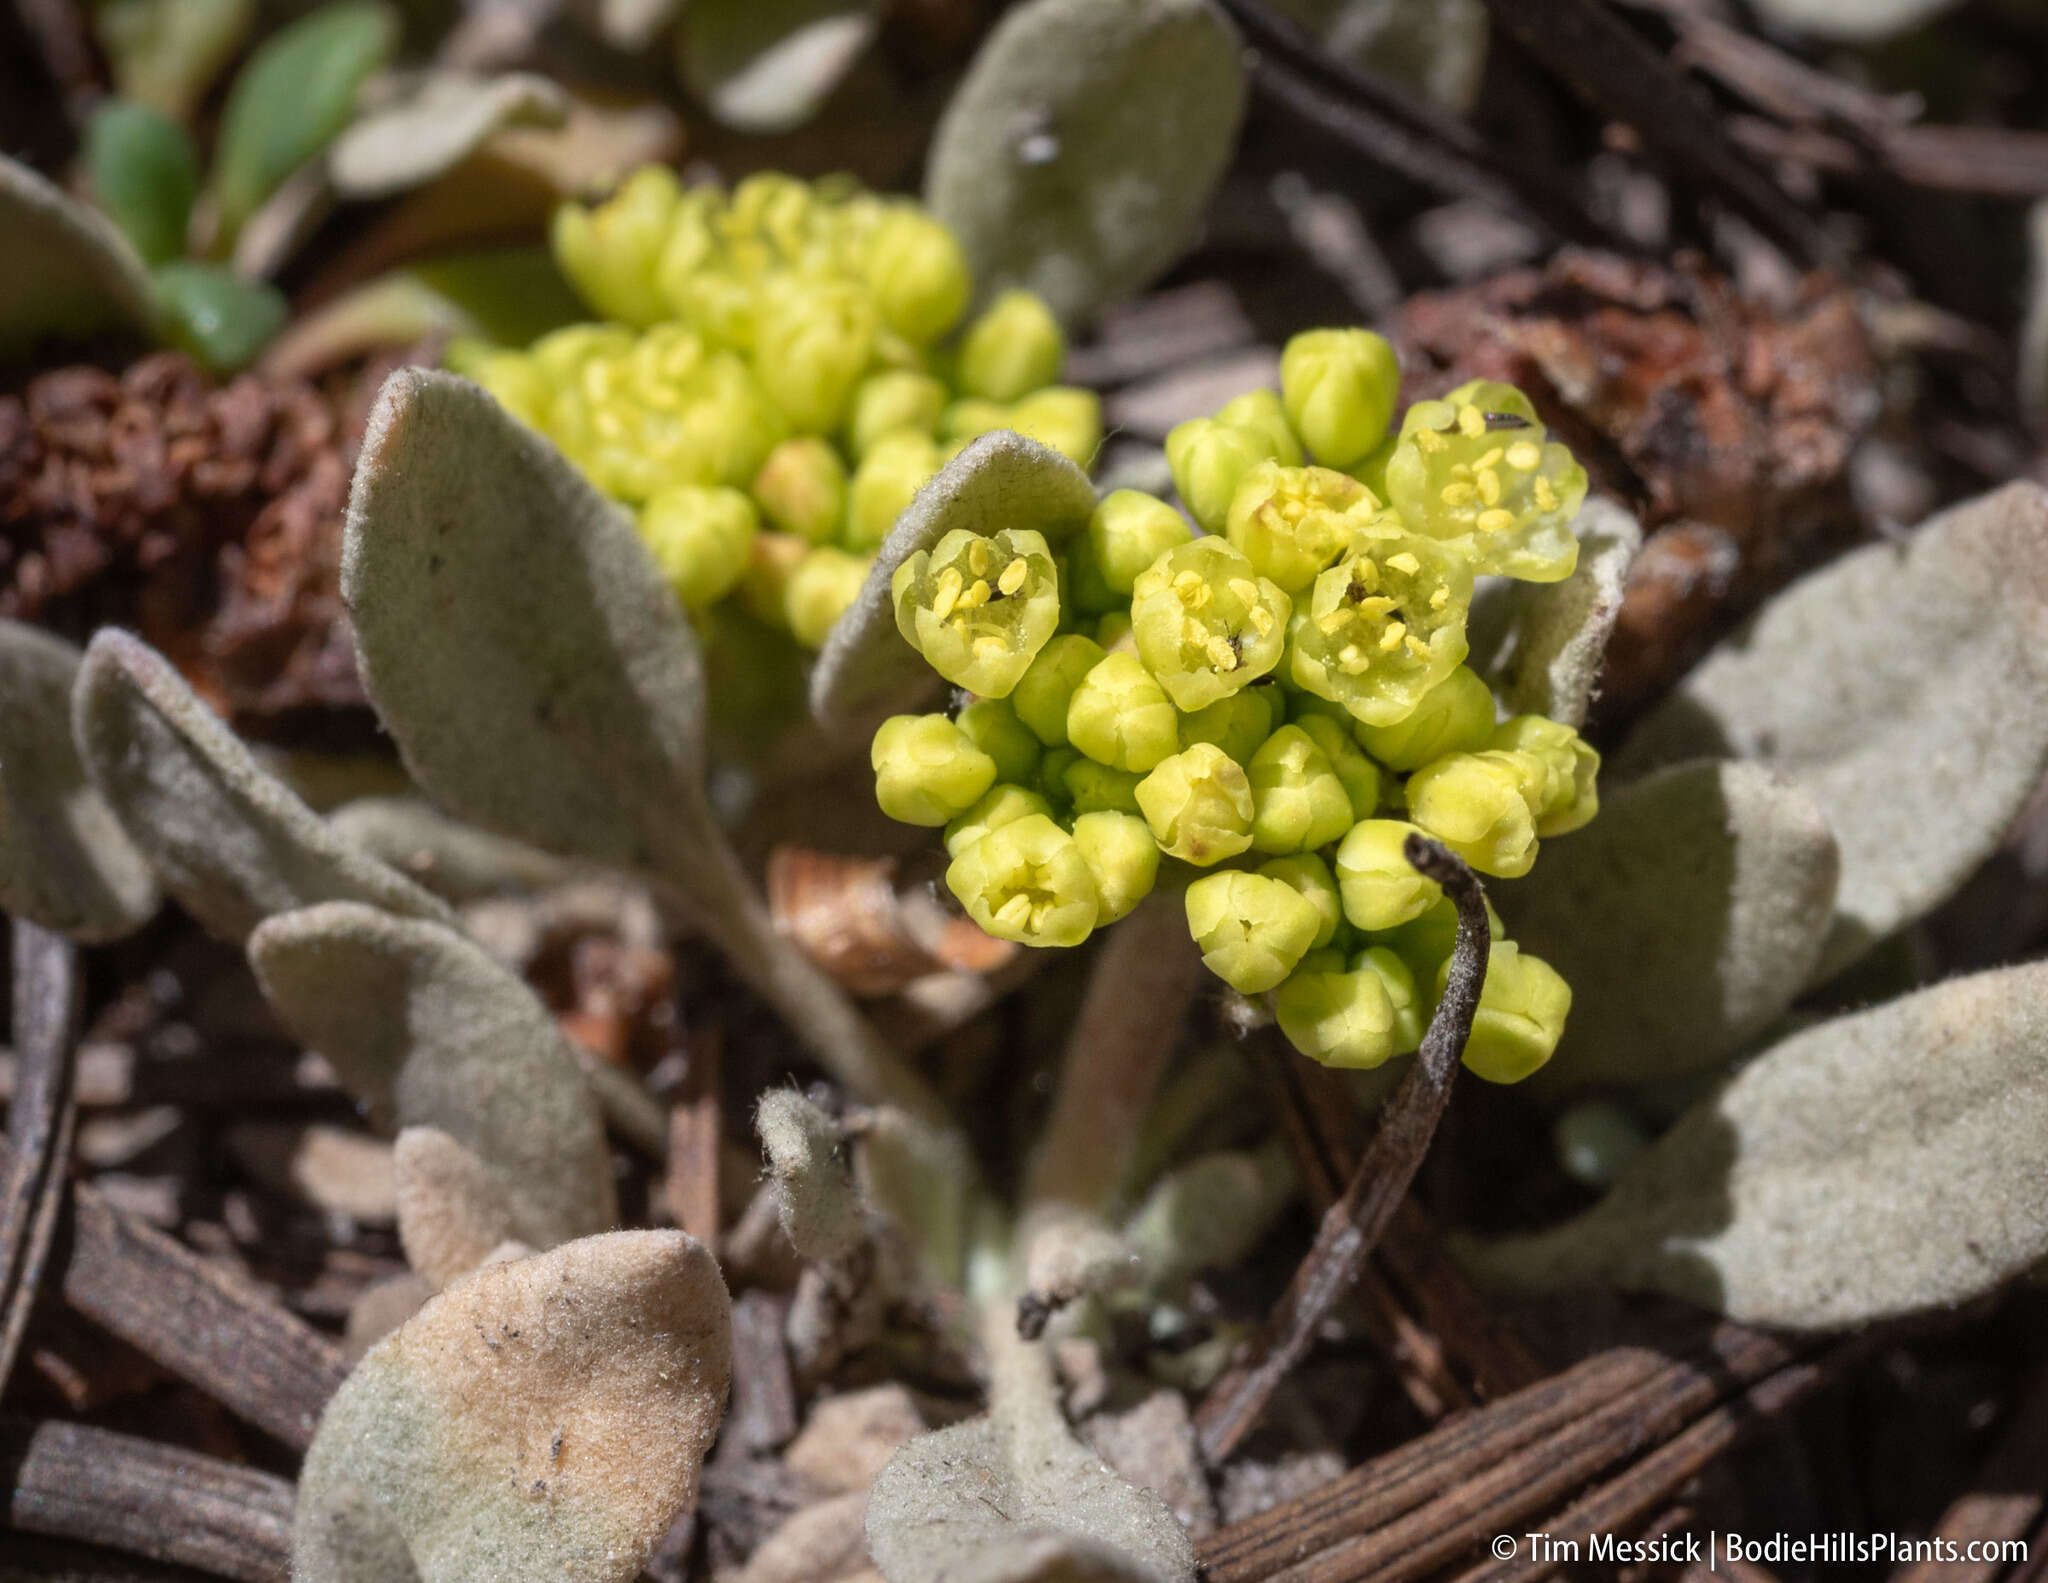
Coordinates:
(766, 66)
(1878, 1165)
(1000, 480)
(65, 862)
(69, 271)
(439, 121)
(1082, 147)
(1685, 917)
(1905, 687)
(215, 317)
(425, 1027)
(144, 171)
(298, 90)
(540, 1420)
(167, 53)
(229, 841)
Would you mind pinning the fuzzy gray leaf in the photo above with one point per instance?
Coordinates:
(69, 270)
(453, 1210)
(539, 1420)
(1561, 629)
(232, 843)
(438, 121)
(1082, 147)
(1685, 917)
(1906, 688)
(519, 642)
(1880, 1164)
(451, 859)
(65, 861)
(1000, 480)
(767, 65)
(421, 1023)
(821, 1212)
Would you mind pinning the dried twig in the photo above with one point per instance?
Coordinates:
(696, 1130)
(1614, 69)
(40, 1116)
(1354, 1223)
(1979, 161)
(73, 1482)
(1416, 1509)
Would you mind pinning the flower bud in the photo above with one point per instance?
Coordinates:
(813, 340)
(1237, 724)
(1120, 716)
(764, 585)
(1015, 347)
(1522, 1009)
(1454, 716)
(1082, 584)
(1123, 857)
(918, 274)
(1383, 626)
(1341, 1019)
(1209, 461)
(719, 431)
(1062, 417)
(801, 489)
(1311, 876)
(1042, 697)
(1129, 531)
(992, 725)
(997, 806)
(1113, 632)
(1199, 805)
(895, 468)
(1261, 412)
(895, 398)
(1252, 929)
(821, 590)
(1298, 802)
(610, 253)
(702, 539)
(1096, 788)
(1053, 768)
(1425, 942)
(1411, 1017)
(1356, 773)
(1027, 881)
(1478, 805)
(1381, 888)
(1570, 796)
(979, 608)
(1339, 388)
(514, 379)
(1295, 523)
(1206, 623)
(926, 770)
(971, 419)
(1476, 470)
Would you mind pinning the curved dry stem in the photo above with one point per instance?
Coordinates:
(1353, 1224)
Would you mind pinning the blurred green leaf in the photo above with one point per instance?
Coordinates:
(1082, 147)
(68, 271)
(215, 317)
(145, 174)
(296, 93)
(167, 53)
(767, 65)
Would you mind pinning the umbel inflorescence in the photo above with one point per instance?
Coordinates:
(1262, 705)
(779, 372)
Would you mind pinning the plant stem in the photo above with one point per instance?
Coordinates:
(1354, 1222)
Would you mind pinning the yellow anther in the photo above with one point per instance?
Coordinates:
(977, 557)
(1471, 421)
(1495, 520)
(1439, 599)
(1013, 576)
(1416, 646)
(1390, 639)
(1489, 487)
(1329, 624)
(1183, 581)
(1261, 619)
(1459, 494)
(1546, 497)
(1015, 913)
(1366, 575)
(1490, 459)
(1427, 440)
(977, 595)
(990, 648)
(1245, 589)
(1378, 605)
(1351, 659)
(1222, 655)
(947, 594)
(1405, 561)
(1523, 455)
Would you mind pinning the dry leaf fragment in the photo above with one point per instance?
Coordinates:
(539, 1420)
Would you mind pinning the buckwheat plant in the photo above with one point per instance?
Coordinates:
(1260, 707)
